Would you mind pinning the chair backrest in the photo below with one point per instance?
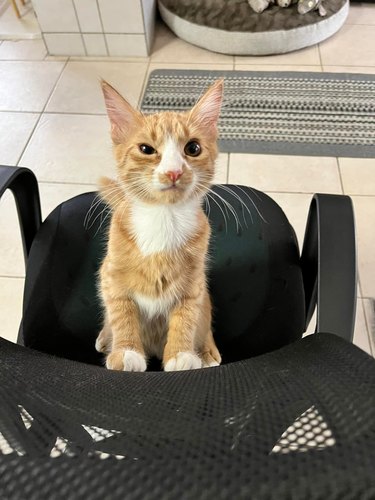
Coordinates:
(254, 277)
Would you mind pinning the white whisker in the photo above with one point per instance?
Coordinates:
(102, 222)
(230, 207)
(254, 204)
(94, 204)
(243, 205)
(208, 205)
(222, 211)
(106, 206)
(137, 185)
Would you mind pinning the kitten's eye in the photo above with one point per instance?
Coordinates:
(193, 148)
(146, 149)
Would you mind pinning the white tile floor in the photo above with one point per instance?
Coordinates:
(52, 121)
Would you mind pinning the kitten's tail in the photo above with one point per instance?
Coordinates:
(110, 191)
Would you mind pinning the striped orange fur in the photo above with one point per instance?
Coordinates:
(153, 278)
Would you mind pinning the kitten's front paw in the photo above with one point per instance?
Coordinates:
(209, 359)
(183, 361)
(134, 361)
(210, 364)
(127, 360)
(102, 343)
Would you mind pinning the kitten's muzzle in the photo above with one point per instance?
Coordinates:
(174, 175)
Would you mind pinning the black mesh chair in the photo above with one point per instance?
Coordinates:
(283, 416)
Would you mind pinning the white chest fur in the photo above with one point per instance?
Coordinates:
(163, 228)
(151, 307)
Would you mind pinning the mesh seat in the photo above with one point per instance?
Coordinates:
(295, 423)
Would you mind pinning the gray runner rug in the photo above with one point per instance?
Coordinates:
(310, 114)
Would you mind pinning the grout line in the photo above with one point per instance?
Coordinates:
(351, 65)
(109, 59)
(358, 24)
(54, 58)
(320, 58)
(361, 195)
(228, 167)
(79, 26)
(56, 112)
(140, 6)
(278, 191)
(41, 114)
(257, 63)
(187, 63)
(144, 59)
(340, 176)
(50, 112)
(90, 33)
(16, 61)
(359, 281)
(43, 38)
(101, 24)
(27, 60)
(83, 59)
(103, 59)
(145, 81)
(68, 183)
(12, 277)
(28, 140)
(18, 111)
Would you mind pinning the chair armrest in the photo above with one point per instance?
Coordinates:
(24, 186)
(328, 264)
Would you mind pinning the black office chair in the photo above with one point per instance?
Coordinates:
(282, 417)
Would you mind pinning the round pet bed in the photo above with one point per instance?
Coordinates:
(232, 27)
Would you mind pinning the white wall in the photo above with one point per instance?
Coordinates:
(97, 27)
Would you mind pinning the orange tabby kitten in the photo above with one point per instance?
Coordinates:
(152, 280)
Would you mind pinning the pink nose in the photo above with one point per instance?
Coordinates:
(174, 175)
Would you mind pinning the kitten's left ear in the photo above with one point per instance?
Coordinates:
(207, 110)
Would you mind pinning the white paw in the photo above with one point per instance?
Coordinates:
(100, 345)
(134, 362)
(209, 365)
(183, 361)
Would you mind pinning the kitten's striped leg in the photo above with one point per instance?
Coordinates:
(104, 340)
(127, 350)
(205, 343)
(210, 354)
(179, 351)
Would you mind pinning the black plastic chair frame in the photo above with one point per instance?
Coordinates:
(328, 258)
(24, 186)
(328, 264)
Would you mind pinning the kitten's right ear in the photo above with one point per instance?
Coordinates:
(122, 115)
